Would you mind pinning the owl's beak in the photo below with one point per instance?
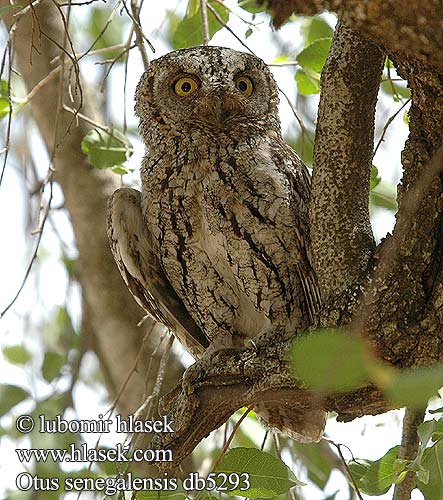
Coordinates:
(220, 108)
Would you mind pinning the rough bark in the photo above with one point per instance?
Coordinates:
(401, 310)
(342, 240)
(112, 312)
(409, 27)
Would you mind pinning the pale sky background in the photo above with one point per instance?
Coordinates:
(368, 437)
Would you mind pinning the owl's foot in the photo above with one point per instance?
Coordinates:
(220, 367)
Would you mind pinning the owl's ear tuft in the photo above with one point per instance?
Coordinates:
(143, 93)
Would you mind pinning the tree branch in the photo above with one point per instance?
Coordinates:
(408, 451)
(342, 240)
(406, 26)
(401, 310)
(235, 378)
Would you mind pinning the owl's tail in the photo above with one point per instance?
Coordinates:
(303, 425)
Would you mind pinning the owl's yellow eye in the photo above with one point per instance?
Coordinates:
(245, 85)
(185, 86)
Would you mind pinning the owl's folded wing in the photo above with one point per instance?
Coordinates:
(139, 265)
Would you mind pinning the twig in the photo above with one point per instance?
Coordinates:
(283, 64)
(345, 465)
(297, 116)
(408, 451)
(139, 37)
(249, 23)
(92, 122)
(26, 9)
(8, 126)
(205, 24)
(388, 123)
(231, 437)
(277, 447)
(220, 20)
(39, 232)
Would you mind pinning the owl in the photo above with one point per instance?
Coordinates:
(216, 245)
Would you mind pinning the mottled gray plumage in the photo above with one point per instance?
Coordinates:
(216, 245)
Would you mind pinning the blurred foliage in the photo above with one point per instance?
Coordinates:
(328, 360)
(188, 31)
(107, 149)
(104, 28)
(333, 360)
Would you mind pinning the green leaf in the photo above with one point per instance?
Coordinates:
(193, 7)
(105, 150)
(375, 478)
(189, 30)
(384, 195)
(248, 32)
(5, 108)
(406, 118)
(16, 354)
(303, 144)
(178, 494)
(433, 463)
(120, 170)
(52, 364)
(315, 28)
(313, 56)
(60, 332)
(70, 266)
(427, 429)
(252, 6)
(396, 90)
(413, 388)
(307, 84)
(331, 360)
(113, 35)
(313, 457)
(10, 395)
(268, 476)
(375, 178)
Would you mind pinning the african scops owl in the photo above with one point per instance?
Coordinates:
(216, 244)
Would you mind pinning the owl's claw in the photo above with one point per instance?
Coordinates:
(221, 367)
(192, 377)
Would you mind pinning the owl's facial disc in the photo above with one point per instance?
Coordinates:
(208, 88)
(213, 101)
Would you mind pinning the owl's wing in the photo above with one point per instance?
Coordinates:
(131, 245)
(300, 180)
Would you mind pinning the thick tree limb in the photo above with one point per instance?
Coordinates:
(341, 234)
(402, 307)
(409, 27)
(112, 312)
(236, 378)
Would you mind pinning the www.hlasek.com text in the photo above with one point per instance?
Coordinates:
(83, 453)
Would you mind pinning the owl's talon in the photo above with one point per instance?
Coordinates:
(192, 377)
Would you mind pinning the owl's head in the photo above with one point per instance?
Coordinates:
(213, 89)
